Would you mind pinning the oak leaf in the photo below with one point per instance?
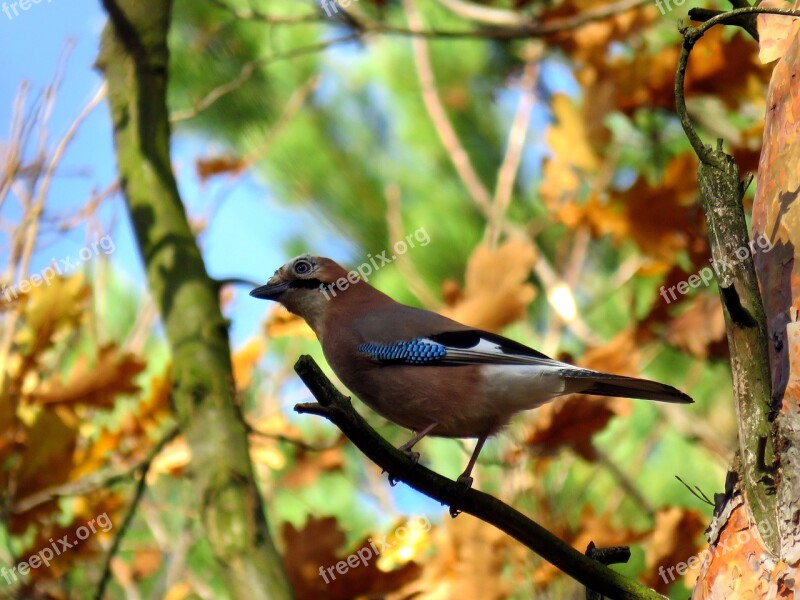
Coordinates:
(496, 290)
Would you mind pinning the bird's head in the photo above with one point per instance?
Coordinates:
(304, 285)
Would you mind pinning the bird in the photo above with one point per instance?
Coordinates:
(426, 372)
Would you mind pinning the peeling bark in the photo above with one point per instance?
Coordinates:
(776, 215)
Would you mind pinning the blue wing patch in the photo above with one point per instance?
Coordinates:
(415, 352)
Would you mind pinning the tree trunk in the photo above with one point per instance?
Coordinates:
(753, 553)
(134, 59)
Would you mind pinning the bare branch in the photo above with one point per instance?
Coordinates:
(143, 468)
(248, 70)
(486, 15)
(507, 174)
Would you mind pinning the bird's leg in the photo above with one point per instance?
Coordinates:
(465, 476)
(406, 448)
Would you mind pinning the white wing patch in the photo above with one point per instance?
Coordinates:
(490, 352)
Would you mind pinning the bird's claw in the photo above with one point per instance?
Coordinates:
(465, 480)
(414, 456)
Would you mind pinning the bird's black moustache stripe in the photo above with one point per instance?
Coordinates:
(307, 284)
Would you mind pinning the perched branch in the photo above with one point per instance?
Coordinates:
(337, 408)
(721, 194)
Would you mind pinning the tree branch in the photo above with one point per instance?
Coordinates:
(510, 30)
(338, 410)
(143, 468)
(721, 194)
(690, 37)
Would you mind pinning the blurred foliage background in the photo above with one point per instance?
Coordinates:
(558, 193)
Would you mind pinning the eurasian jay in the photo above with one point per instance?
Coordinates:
(424, 371)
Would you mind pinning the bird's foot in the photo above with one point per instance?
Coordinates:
(414, 456)
(465, 480)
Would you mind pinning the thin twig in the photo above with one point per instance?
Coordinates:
(278, 437)
(487, 15)
(96, 481)
(521, 30)
(690, 37)
(249, 69)
(394, 222)
(518, 133)
(143, 468)
(297, 100)
(441, 122)
(625, 482)
(696, 492)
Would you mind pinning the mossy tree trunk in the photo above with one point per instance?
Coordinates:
(134, 59)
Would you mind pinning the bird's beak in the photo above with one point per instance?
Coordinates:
(270, 291)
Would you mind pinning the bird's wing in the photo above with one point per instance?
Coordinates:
(508, 360)
(461, 347)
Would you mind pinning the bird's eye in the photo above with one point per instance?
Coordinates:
(302, 267)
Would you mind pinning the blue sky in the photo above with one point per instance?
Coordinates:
(248, 229)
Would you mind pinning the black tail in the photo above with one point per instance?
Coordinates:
(603, 384)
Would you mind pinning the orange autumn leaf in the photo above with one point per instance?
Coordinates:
(675, 539)
(244, 360)
(571, 153)
(172, 460)
(147, 561)
(599, 217)
(619, 356)
(95, 455)
(45, 461)
(50, 311)
(496, 290)
(207, 168)
(699, 327)
(154, 409)
(599, 529)
(309, 465)
(282, 323)
(101, 513)
(472, 559)
(319, 543)
(663, 218)
(112, 374)
(571, 421)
